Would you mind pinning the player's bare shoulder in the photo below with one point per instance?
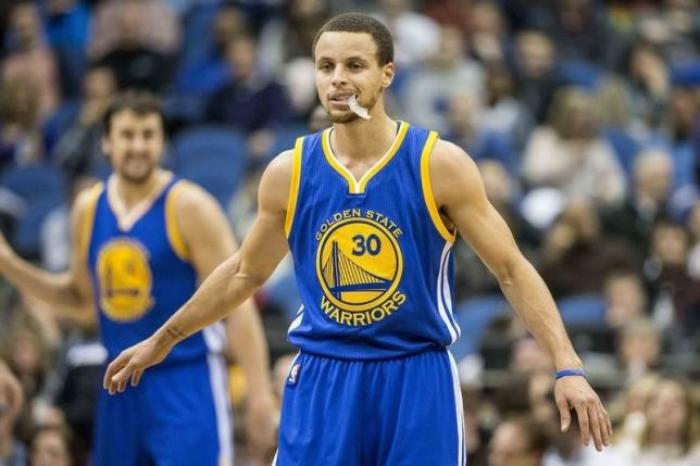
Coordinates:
(453, 173)
(276, 181)
(190, 198)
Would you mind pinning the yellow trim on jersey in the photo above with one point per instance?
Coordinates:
(355, 186)
(293, 186)
(88, 220)
(173, 231)
(428, 189)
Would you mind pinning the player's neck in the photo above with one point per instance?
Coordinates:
(362, 140)
(131, 194)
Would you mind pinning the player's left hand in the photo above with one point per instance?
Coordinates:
(262, 425)
(132, 362)
(575, 393)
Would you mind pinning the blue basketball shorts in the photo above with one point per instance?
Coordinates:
(178, 415)
(397, 412)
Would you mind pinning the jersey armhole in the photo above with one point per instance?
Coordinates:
(87, 223)
(177, 243)
(293, 186)
(430, 203)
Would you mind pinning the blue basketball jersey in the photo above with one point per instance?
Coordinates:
(142, 275)
(372, 257)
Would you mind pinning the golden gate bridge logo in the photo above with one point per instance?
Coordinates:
(359, 264)
(342, 274)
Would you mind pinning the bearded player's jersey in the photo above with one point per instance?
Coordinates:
(372, 257)
(141, 275)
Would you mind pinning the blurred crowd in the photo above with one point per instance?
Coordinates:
(584, 118)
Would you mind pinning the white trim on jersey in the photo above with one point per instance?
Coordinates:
(222, 407)
(289, 370)
(215, 337)
(459, 411)
(297, 320)
(444, 299)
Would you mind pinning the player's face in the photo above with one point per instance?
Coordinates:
(346, 65)
(134, 145)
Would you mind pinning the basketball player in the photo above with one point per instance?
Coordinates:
(139, 247)
(370, 209)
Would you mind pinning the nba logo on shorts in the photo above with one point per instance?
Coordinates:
(294, 374)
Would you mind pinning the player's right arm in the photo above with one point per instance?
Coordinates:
(70, 292)
(231, 283)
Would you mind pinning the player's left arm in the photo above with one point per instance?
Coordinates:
(461, 199)
(209, 241)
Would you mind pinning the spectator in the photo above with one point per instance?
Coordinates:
(487, 33)
(463, 129)
(290, 36)
(517, 442)
(625, 297)
(416, 36)
(138, 59)
(535, 78)
(447, 73)
(581, 33)
(20, 138)
(650, 84)
(671, 436)
(67, 28)
(575, 253)
(249, 101)
(647, 200)
(204, 70)
(31, 60)
(12, 451)
(675, 295)
(504, 113)
(682, 128)
(51, 446)
(79, 150)
(639, 349)
(568, 154)
(150, 23)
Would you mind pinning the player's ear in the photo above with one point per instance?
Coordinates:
(388, 75)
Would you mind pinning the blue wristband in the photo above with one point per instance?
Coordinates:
(569, 372)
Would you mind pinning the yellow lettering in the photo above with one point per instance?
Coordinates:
(399, 298)
(346, 213)
(389, 306)
(378, 314)
(397, 232)
(359, 319)
(326, 305)
(356, 212)
(345, 318)
(370, 214)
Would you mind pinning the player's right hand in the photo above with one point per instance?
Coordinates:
(132, 362)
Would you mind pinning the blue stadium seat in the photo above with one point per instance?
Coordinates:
(35, 182)
(580, 74)
(474, 316)
(43, 188)
(213, 156)
(583, 309)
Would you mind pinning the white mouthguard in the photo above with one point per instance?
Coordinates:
(358, 109)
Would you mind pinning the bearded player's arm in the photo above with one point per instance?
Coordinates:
(459, 196)
(209, 241)
(226, 288)
(69, 293)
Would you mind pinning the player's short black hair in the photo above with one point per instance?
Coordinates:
(140, 102)
(359, 22)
